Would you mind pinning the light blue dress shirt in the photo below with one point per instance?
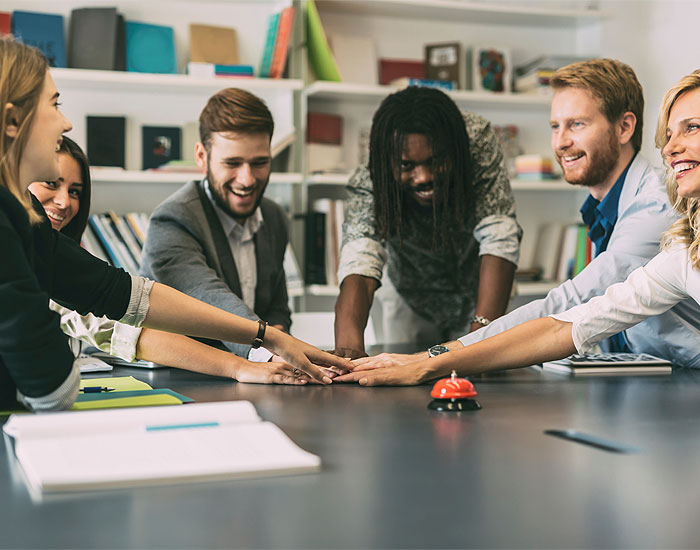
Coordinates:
(644, 214)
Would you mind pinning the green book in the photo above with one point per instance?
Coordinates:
(580, 261)
(268, 50)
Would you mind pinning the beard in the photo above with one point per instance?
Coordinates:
(601, 161)
(218, 193)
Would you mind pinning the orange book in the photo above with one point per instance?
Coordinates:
(284, 33)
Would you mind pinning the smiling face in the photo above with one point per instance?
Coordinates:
(238, 169)
(583, 140)
(416, 169)
(61, 198)
(39, 160)
(682, 152)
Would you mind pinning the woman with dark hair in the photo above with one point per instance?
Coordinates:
(36, 364)
(435, 206)
(66, 202)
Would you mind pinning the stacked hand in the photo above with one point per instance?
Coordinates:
(387, 369)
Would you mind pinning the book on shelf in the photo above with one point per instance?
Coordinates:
(5, 23)
(393, 69)
(534, 75)
(213, 44)
(534, 167)
(324, 128)
(321, 59)
(211, 70)
(324, 157)
(315, 248)
(428, 83)
(160, 145)
(282, 39)
(96, 39)
(106, 140)
(105, 241)
(610, 364)
(292, 271)
(43, 31)
(105, 449)
(119, 238)
(333, 222)
(269, 47)
(150, 48)
(356, 58)
(125, 233)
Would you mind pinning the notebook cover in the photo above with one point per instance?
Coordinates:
(106, 140)
(43, 31)
(93, 39)
(150, 48)
(212, 44)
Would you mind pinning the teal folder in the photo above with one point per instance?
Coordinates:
(150, 48)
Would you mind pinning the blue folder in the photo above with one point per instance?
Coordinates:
(150, 48)
(43, 31)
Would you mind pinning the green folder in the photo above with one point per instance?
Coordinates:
(320, 55)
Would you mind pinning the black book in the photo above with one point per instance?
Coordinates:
(96, 39)
(160, 145)
(315, 248)
(106, 140)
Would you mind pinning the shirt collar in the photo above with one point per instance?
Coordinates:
(230, 226)
(606, 209)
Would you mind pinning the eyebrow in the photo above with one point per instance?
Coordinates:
(239, 159)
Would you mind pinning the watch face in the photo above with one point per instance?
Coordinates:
(437, 350)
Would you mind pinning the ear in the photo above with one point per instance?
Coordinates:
(200, 156)
(11, 121)
(626, 127)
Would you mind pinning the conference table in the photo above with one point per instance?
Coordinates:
(398, 475)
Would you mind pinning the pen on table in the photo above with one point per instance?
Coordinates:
(95, 389)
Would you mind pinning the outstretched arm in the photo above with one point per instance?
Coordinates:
(351, 314)
(172, 311)
(538, 340)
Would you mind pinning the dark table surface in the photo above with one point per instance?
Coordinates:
(397, 475)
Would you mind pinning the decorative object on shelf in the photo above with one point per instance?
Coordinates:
(444, 62)
(106, 140)
(97, 40)
(160, 145)
(321, 58)
(150, 48)
(491, 70)
(43, 31)
(324, 138)
(391, 69)
(356, 57)
(510, 145)
(213, 44)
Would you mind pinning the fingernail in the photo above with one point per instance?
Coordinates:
(363, 381)
(327, 380)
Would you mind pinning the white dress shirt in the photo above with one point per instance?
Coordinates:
(240, 240)
(666, 280)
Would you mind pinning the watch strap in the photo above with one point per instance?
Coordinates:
(258, 340)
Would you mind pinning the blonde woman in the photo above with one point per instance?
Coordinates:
(38, 263)
(670, 277)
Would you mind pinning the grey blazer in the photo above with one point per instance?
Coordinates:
(186, 248)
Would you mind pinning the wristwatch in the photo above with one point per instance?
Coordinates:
(483, 321)
(258, 340)
(434, 351)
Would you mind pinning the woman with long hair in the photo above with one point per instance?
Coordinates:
(36, 364)
(670, 277)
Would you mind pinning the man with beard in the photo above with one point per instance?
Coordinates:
(596, 121)
(434, 207)
(218, 239)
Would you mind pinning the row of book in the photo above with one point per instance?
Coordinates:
(562, 251)
(116, 239)
(323, 239)
(100, 38)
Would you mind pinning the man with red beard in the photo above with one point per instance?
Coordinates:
(596, 121)
(218, 239)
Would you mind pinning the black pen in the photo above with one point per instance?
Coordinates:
(95, 389)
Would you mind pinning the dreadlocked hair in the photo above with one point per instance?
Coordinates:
(430, 112)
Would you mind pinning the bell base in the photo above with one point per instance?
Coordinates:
(454, 405)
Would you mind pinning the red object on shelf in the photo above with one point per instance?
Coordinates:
(391, 69)
(453, 388)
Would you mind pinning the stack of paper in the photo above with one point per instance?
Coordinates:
(71, 451)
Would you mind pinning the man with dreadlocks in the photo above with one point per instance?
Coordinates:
(435, 206)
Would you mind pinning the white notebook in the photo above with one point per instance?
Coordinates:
(75, 451)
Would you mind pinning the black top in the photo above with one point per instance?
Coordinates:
(38, 263)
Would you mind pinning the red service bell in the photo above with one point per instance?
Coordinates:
(453, 394)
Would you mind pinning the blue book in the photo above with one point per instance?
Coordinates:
(427, 82)
(234, 69)
(150, 48)
(269, 48)
(43, 31)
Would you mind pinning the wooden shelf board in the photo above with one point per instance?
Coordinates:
(461, 11)
(164, 83)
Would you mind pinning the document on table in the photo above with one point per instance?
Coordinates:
(76, 451)
(126, 392)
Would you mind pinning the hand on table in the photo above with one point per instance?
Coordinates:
(384, 360)
(401, 375)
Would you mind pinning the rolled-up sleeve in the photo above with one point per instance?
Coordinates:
(496, 228)
(362, 252)
(649, 290)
